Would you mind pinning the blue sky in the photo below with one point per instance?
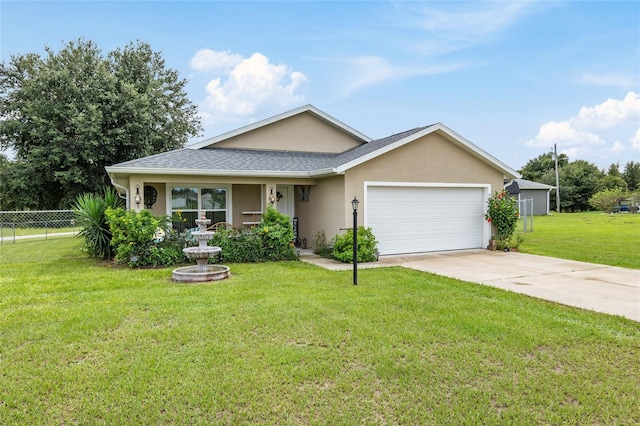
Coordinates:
(512, 77)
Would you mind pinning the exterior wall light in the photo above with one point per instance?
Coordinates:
(137, 198)
(272, 198)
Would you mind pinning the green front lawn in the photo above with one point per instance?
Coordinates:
(609, 239)
(290, 343)
(8, 232)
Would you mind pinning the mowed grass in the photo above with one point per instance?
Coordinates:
(8, 232)
(608, 239)
(289, 343)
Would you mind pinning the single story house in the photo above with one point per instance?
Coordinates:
(421, 190)
(536, 193)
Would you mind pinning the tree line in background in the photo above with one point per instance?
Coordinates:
(66, 115)
(583, 186)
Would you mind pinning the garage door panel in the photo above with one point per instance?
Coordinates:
(420, 219)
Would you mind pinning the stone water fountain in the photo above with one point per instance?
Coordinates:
(202, 271)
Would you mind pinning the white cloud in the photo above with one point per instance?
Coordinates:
(596, 131)
(475, 22)
(615, 79)
(362, 71)
(240, 87)
(610, 113)
(618, 147)
(635, 140)
(442, 28)
(563, 132)
(207, 60)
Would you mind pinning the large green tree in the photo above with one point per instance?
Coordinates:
(612, 179)
(579, 181)
(631, 175)
(536, 168)
(70, 113)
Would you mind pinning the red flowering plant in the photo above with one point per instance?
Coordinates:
(502, 213)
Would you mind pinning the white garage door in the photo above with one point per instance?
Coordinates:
(421, 219)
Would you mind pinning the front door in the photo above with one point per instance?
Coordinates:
(285, 200)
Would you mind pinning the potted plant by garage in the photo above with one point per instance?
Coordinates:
(492, 243)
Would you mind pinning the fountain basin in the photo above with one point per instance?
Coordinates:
(192, 274)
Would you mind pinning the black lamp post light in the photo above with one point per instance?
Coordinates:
(354, 204)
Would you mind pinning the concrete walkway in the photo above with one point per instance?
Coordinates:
(599, 288)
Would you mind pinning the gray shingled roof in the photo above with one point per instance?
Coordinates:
(518, 185)
(225, 159)
(527, 184)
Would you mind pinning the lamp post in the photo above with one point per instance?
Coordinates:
(354, 205)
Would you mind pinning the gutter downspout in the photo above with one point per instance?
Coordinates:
(126, 196)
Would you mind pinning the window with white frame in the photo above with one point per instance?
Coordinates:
(188, 201)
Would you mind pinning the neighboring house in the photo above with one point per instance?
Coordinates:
(420, 190)
(522, 189)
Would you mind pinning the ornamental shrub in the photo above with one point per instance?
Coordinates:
(276, 234)
(502, 213)
(138, 239)
(322, 247)
(238, 245)
(367, 246)
(89, 211)
(270, 240)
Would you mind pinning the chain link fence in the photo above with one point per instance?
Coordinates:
(21, 225)
(525, 208)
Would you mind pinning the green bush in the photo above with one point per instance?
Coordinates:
(276, 234)
(238, 245)
(271, 240)
(502, 213)
(171, 245)
(89, 210)
(606, 200)
(322, 247)
(367, 246)
(515, 240)
(140, 240)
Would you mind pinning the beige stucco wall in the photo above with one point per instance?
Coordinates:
(323, 211)
(303, 132)
(431, 159)
(158, 208)
(246, 198)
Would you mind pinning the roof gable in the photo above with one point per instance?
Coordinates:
(304, 129)
(412, 135)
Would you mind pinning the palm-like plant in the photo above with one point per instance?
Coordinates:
(89, 212)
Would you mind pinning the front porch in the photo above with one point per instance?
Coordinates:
(238, 204)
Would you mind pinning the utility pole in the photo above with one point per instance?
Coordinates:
(555, 156)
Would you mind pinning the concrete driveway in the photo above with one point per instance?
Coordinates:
(599, 288)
